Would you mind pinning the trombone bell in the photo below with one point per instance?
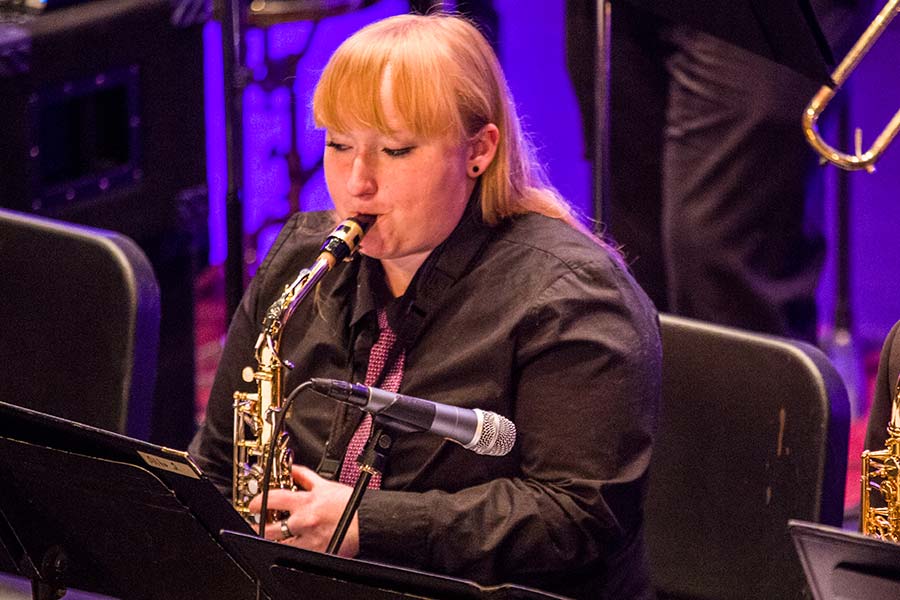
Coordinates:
(859, 160)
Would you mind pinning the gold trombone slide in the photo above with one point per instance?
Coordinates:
(859, 160)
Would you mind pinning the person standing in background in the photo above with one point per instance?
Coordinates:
(715, 196)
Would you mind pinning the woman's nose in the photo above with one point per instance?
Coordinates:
(362, 181)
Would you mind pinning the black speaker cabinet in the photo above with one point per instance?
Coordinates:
(101, 123)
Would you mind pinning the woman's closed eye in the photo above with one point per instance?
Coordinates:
(336, 146)
(398, 152)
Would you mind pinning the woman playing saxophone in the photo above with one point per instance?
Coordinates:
(475, 287)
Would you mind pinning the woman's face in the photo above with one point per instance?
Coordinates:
(417, 188)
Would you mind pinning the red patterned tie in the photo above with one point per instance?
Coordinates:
(377, 357)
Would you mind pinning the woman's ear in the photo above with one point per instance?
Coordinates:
(482, 149)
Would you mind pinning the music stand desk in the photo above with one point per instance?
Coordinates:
(846, 565)
(100, 512)
(287, 572)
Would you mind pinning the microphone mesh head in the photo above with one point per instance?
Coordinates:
(498, 435)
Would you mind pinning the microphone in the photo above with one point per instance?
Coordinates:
(483, 432)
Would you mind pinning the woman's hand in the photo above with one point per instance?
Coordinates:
(314, 512)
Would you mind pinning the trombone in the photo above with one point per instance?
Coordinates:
(858, 160)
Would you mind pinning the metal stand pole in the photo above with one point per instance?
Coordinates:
(841, 346)
(600, 182)
(372, 460)
(231, 17)
(842, 316)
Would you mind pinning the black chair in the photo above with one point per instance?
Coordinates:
(753, 432)
(79, 323)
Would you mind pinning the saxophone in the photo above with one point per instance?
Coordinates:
(880, 516)
(256, 414)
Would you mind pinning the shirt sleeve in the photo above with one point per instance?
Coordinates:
(588, 382)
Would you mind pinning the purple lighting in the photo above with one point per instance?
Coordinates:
(531, 46)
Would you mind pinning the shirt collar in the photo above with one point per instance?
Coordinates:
(446, 264)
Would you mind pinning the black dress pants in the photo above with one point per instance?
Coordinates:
(715, 196)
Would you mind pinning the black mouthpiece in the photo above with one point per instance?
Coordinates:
(364, 221)
(343, 241)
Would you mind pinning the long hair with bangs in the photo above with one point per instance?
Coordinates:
(446, 80)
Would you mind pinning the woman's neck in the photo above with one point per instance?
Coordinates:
(399, 272)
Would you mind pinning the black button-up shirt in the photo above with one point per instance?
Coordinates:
(530, 319)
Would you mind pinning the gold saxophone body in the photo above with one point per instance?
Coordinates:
(256, 413)
(880, 500)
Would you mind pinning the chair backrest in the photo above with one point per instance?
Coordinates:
(79, 323)
(753, 432)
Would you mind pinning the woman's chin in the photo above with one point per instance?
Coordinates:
(372, 250)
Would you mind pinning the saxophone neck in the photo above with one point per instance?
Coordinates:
(341, 244)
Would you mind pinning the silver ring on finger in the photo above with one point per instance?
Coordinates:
(285, 530)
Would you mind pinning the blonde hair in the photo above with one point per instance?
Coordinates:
(446, 79)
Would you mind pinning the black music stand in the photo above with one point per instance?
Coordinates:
(286, 572)
(845, 565)
(85, 508)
